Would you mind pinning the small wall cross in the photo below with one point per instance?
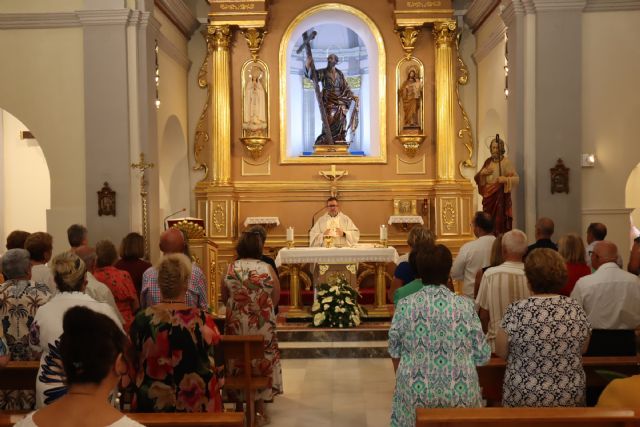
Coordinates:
(333, 174)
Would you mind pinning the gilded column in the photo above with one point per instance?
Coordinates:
(445, 73)
(221, 104)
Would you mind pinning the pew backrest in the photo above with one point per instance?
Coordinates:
(19, 375)
(176, 419)
(526, 417)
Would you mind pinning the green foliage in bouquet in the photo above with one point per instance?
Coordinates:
(336, 305)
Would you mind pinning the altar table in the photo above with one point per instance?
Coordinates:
(295, 257)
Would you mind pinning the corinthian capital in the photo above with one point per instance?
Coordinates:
(221, 36)
(444, 33)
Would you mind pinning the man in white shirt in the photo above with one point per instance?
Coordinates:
(611, 298)
(474, 255)
(336, 224)
(503, 284)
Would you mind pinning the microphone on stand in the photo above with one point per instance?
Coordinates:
(169, 216)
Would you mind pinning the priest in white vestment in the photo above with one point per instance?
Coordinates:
(336, 224)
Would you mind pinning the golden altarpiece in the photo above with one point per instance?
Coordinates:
(253, 145)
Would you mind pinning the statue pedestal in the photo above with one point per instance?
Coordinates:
(331, 150)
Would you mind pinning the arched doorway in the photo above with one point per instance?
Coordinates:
(25, 192)
(632, 199)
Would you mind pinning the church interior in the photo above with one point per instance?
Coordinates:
(135, 115)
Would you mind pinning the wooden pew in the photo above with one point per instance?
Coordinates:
(178, 419)
(196, 419)
(492, 373)
(526, 417)
(244, 349)
(19, 375)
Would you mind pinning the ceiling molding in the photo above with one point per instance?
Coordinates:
(611, 5)
(25, 21)
(478, 12)
(180, 14)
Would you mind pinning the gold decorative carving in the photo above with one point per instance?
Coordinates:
(405, 207)
(465, 133)
(254, 145)
(444, 32)
(218, 217)
(142, 166)
(284, 271)
(369, 269)
(351, 268)
(254, 38)
(449, 214)
(236, 7)
(411, 143)
(201, 137)
(194, 258)
(221, 35)
(408, 37)
(191, 229)
(322, 268)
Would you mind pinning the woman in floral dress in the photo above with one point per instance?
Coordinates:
(251, 291)
(435, 342)
(180, 366)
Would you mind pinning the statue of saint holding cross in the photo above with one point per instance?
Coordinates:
(334, 100)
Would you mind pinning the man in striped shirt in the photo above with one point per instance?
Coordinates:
(171, 242)
(503, 284)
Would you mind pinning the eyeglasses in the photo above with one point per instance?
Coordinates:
(332, 206)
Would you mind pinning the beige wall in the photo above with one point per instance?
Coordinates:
(42, 84)
(610, 125)
(173, 159)
(25, 178)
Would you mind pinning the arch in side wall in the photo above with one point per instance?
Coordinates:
(25, 184)
(173, 168)
(632, 199)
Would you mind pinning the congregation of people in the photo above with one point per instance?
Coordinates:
(539, 306)
(98, 320)
(113, 332)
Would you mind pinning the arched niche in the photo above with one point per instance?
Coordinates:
(25, 192)
(632, 196)
(173, 168)
(348, 30)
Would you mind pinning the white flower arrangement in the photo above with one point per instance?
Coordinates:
(336, 306)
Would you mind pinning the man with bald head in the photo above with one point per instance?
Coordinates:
(173, 241)
(544, 230)
(503, 284)
(611, 298)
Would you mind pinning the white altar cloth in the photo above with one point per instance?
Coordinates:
(355, 254)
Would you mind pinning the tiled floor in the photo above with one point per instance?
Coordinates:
(334, 393)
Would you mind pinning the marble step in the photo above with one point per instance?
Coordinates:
(311, 343)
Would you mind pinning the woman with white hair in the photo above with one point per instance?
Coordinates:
(69, 273)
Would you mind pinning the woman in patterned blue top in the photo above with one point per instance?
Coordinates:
(435, 342)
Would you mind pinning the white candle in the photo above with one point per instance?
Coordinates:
(290, 234)
(383, 232)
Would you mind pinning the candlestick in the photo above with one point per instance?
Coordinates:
(290, 237)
